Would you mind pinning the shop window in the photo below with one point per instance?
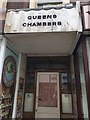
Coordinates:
(82, 81)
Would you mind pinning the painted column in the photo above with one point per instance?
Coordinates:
(3, 4)
(33, 4)
(2, 55)
(16, 89)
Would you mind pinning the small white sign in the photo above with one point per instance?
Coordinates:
(28, 106)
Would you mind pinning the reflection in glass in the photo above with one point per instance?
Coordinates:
(83, 84)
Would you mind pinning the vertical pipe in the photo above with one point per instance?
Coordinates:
(16, 89)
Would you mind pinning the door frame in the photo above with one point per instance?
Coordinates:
(58, 91)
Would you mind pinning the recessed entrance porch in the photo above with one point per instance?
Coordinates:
(47, 52)
(46, 99)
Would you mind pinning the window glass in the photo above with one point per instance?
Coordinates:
(83, 84)
(88, 50)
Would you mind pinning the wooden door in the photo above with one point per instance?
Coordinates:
(47, 95)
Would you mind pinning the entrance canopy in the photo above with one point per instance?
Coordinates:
(44, 43)
(52, 31)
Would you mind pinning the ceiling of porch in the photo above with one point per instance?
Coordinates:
(44, 44)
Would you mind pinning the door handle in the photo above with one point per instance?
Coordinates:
(40, 99)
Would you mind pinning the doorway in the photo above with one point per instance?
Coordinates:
(47, 95)
(39, 83)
